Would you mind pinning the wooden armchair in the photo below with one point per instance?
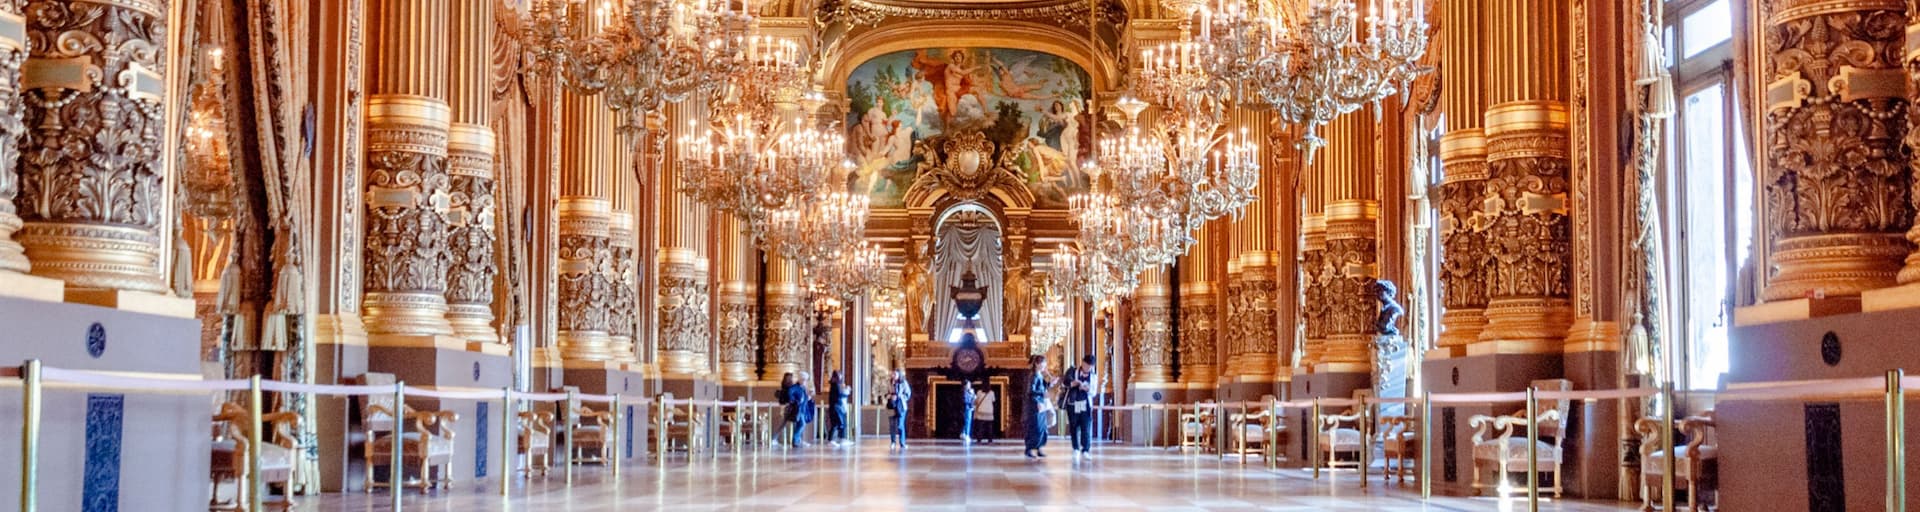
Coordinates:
(1196, 428)
(740, 420)
(536, 441)
(1695, 469)
(673, 426)
(1340, 433)
(1500, 443)
(592, 436)
(1249, 431)
(425, 438)
(232, 440)
(1399, 445)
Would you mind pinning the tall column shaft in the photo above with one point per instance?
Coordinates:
(92, 187)
(789, 320)
(623, 242)
(683, 301)
(1463, 155)
(1598, 132)
(407, 125)
(1150, 329)
(471, 173)
(1349, 261)
(1285, 230)
(1529, 232)
(739, 317)
(1199, 311)
(587, 273)
(1256, 351)
(1313, 262)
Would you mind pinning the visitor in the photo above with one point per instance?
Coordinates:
(1036, 406)
(1078, 404)
(786, 406)
(988, 428)
(967, 400)
(799, 409)
(898, 400)
(838, 396)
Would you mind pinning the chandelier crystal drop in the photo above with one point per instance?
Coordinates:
(638, 55)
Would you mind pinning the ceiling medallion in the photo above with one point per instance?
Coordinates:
(966, 165)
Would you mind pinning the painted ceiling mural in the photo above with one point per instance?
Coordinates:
(1011, 95)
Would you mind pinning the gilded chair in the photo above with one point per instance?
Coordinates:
(1340, 433)
(536, 441)
(1399, 445)
(739, 420)
(232, 440)
(1196, 428)
(1249, 431)
(1695, 469)
(426, 438)
(1500, 444)
(676, 424)
(592, 433)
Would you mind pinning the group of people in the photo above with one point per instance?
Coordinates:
(1075, 397)
(799, 404)
(1076, 387)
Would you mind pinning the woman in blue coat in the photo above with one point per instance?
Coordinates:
(1036, 400)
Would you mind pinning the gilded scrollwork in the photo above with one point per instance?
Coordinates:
(470, 241)
(789, 335)
(737, 321)
(622, 318)
(683, 303)
(90, 169)
(406, 245)
(1150, 331)
(1257, 328)
(586, 293)
(13, 53)
(1836, 121)
(1315, 308)
(1350, 306)
(1528, 232)
(1197, 328)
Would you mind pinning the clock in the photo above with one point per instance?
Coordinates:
(968, 359)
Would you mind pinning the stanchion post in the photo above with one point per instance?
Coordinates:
(618, 435)
(691, 429)
(507, 450)
(396, 473)
(740, 415)
(1273, 421)
(1313, 439)
(567, 417)
(1426, 445)
(1366, 438)
(1896, 442)
(256, 439)
(660, 430)
(1533, 451)
(1666, 444)
(30, 436)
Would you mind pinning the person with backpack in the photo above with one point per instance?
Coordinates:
(838, 397)
(898, 400)
(799, 409)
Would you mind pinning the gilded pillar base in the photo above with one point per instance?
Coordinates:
(339, 330)
(85, 255)
(1460, 327)
(1316, 349)
(1204, 373)
(682, 364)
(473, 322)
(585, 346)
(1150, 375)
(736, 372)
(1346, 353)
(406, 313)
(1589, 335)
(622, 347)
(1252, 366)
(736, 331)
(1529, 325)
(1831, 265)
(683, 301)
(470, 232)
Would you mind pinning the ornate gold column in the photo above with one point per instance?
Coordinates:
(1150, 328)
(470, 169)
(789, 320)
(622, 243)
(738, 309)
(13, 53)
(683, 295)
(1199, 311)
(1348, 263)
(1313, 263)
(1463, 156)
(93, 193)
(587, 271)
(1256, 346)
(1528, 230)
(1600, 90)
(407, 124)
(1284, 165)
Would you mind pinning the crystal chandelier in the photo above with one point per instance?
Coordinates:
(886, 323)
(638, 55)
(752, 169)
(1051, 324)
(1091, 275)
(816, 232)
(1308, 59)
(849, 272)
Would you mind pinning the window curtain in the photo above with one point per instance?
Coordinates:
(968, 244)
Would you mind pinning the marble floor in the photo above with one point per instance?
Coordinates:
(942, 476)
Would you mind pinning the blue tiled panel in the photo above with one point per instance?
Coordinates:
(480, 440)
(627, 436)
(101, 489)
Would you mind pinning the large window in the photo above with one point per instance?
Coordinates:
(1707, 192)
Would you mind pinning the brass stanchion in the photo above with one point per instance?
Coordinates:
(1426, 445)
(739, 416)
(30, 436)
(396, 473)
(1313, 440)
(1666, 445)
(507, 451)
(660, 430)
(1896, 442)
(1272, 450)
(691, 430)
(1533, 451)
(614, 407)
(568, 417)
(255, 441)
(1366, 438)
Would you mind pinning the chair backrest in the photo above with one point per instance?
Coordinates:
(371, 419)
(1561, 407)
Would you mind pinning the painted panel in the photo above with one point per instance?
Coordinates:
(100, 491)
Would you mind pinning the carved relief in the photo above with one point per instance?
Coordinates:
(1463, 245)
(1834, 163)
(683, 309)
(1197, 325)
(1150, 330)
(406, 246)
(470, 241)
(13, 52)
(1350, 305)
(1233, 341)
(90, 188)
(586, 291)
(1257, 328)
(622, 313)
(1314, 309)
(736, 331)
(1529, 234)
(789, 335)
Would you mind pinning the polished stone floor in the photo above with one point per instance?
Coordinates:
(942, 476)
